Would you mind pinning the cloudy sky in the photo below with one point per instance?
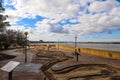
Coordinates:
(52, 20)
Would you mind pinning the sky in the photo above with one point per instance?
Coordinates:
(53, 20)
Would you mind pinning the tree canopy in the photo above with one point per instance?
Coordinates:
(8, 37)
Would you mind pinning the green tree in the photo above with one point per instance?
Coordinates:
(3, 23)
(3, 17)
(20, 39)
(9, 37)
(12, 37)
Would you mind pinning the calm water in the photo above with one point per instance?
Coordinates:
(111, 47)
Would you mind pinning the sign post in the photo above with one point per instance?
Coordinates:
(9, 67)
(10, 75)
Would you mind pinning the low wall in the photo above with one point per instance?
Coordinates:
(97, 52)
(102, 53)
(42, 45)
(67, 48)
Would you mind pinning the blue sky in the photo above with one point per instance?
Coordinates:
(52, 20)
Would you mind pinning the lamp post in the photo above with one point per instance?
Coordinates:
(75, 42)
(26, 33)
(58, 44)
(76, 54)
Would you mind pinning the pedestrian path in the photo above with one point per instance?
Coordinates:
(28, 67)
(92, 59)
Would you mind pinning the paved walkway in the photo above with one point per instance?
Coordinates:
(20, 56)
(92, 59)
(83, 59)
(28, 71)
(28, 67)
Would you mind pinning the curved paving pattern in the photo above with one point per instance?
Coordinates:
(57, 68)
(85, 72)
(58, 65)
(28, 67)
(6, 56)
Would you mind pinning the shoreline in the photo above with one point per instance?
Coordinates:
(96, 52)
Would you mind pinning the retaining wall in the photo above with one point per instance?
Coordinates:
(97, 52)
(102, 53)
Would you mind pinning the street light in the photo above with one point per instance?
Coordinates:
(58, 44)
(76, 54)
(75, 42)
(26, 33)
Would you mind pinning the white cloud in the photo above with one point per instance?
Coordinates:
(46, 8)
(115, 11)
(50, 26)
(73, 20)
(98, 23)
(21, 28)
(107, 5)
(105, 19)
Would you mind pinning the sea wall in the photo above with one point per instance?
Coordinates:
(43, 45)
(96, 52)
(67, 48)
(102, 53)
